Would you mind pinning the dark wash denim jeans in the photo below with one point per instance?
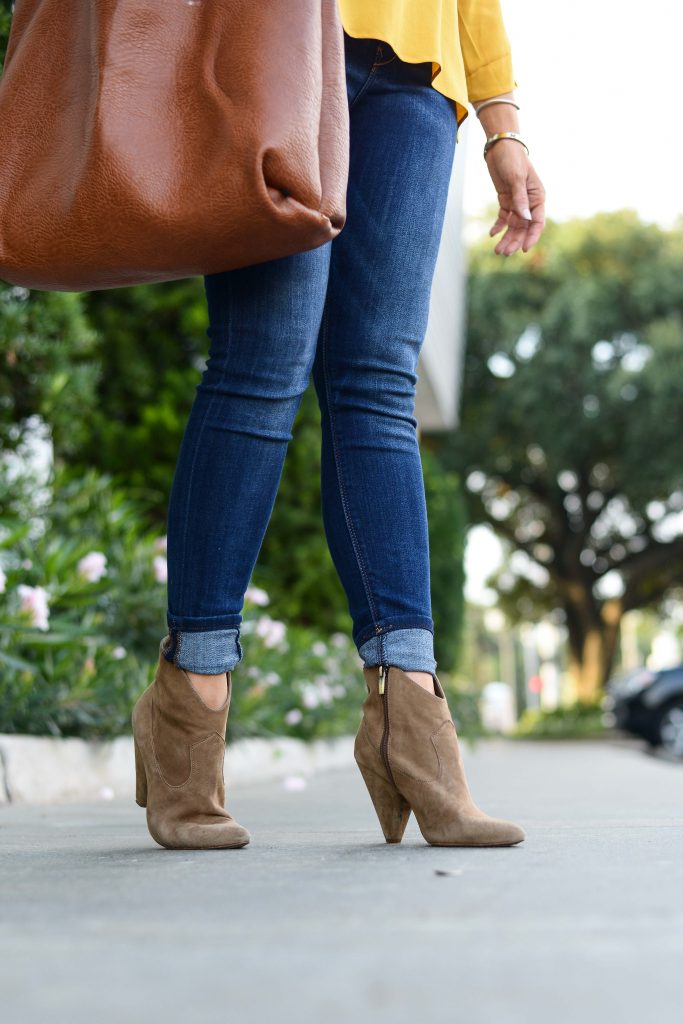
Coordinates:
(353, 313)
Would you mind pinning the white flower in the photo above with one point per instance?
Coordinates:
(339, 691)
(270, 630)
(160, 569)
(325, 693)
(271, 679)
(34, 601)
(93, 566)
(339, 640)
(293, 717)
(319, 649)
(294, 783)
(256, 595)
(118, 652)
(160, 544)
(3, 580)
(310, 696)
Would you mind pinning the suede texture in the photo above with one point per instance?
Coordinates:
(179, 753)
(426, 772)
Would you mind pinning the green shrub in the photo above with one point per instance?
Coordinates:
(575, 721)
(82, 611)
(447, 528)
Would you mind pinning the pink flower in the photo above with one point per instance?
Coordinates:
(34, 601)
(93, 566)
(160, 569)
(257, 596)
(118, 652)
(319, 649)
(160, 544)
(270, 630)
(293, 717)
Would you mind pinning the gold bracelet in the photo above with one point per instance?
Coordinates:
(504, 135)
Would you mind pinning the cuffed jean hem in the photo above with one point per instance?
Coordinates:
(407, 649)
(209, 652)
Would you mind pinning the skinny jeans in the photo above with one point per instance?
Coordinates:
(353, 314)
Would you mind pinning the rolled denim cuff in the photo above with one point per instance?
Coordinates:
(408, 649)
(208, 652)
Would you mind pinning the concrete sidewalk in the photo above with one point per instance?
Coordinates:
(320, 921)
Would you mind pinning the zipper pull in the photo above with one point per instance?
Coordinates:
(382, 677)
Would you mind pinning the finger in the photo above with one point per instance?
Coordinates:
(536, 227)
(533, 235)
(520, 201)
(513, 238)
(501, 221)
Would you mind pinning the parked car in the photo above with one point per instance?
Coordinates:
(649, 704)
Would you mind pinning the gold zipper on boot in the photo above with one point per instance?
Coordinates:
(384, 693)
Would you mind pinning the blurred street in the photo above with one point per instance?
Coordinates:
(319, 920)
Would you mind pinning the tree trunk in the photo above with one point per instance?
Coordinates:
(592, 646)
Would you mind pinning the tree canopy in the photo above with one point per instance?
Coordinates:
(570, 441)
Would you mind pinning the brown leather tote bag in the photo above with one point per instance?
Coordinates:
(151, 140)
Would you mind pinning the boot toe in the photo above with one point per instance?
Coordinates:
(224, 834)
(511, 834)
(496, 832)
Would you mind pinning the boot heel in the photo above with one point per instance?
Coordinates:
(392, 810)
(140, 778)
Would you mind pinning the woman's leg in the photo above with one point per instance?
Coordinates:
(264, 322)
(402, 147)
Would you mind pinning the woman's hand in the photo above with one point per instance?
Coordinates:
(521, 197)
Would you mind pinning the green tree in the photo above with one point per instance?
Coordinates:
(570, 438)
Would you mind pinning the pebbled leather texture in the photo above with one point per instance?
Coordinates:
(152, 140)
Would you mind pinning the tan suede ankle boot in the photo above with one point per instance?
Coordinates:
(408, 753)
(179, 751)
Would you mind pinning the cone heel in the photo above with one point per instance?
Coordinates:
(407, 749)
(392, 810)
(140, 779)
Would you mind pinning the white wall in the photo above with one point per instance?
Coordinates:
(439, 369)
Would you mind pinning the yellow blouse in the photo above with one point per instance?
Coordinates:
(465, 40)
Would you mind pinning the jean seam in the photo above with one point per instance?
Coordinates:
(195, 454)
(337, 464)
(382, 63)
(424, 623)
(364, 86)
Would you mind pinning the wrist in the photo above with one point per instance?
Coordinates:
(498, 117)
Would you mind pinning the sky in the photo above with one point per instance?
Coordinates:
(599, 86)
